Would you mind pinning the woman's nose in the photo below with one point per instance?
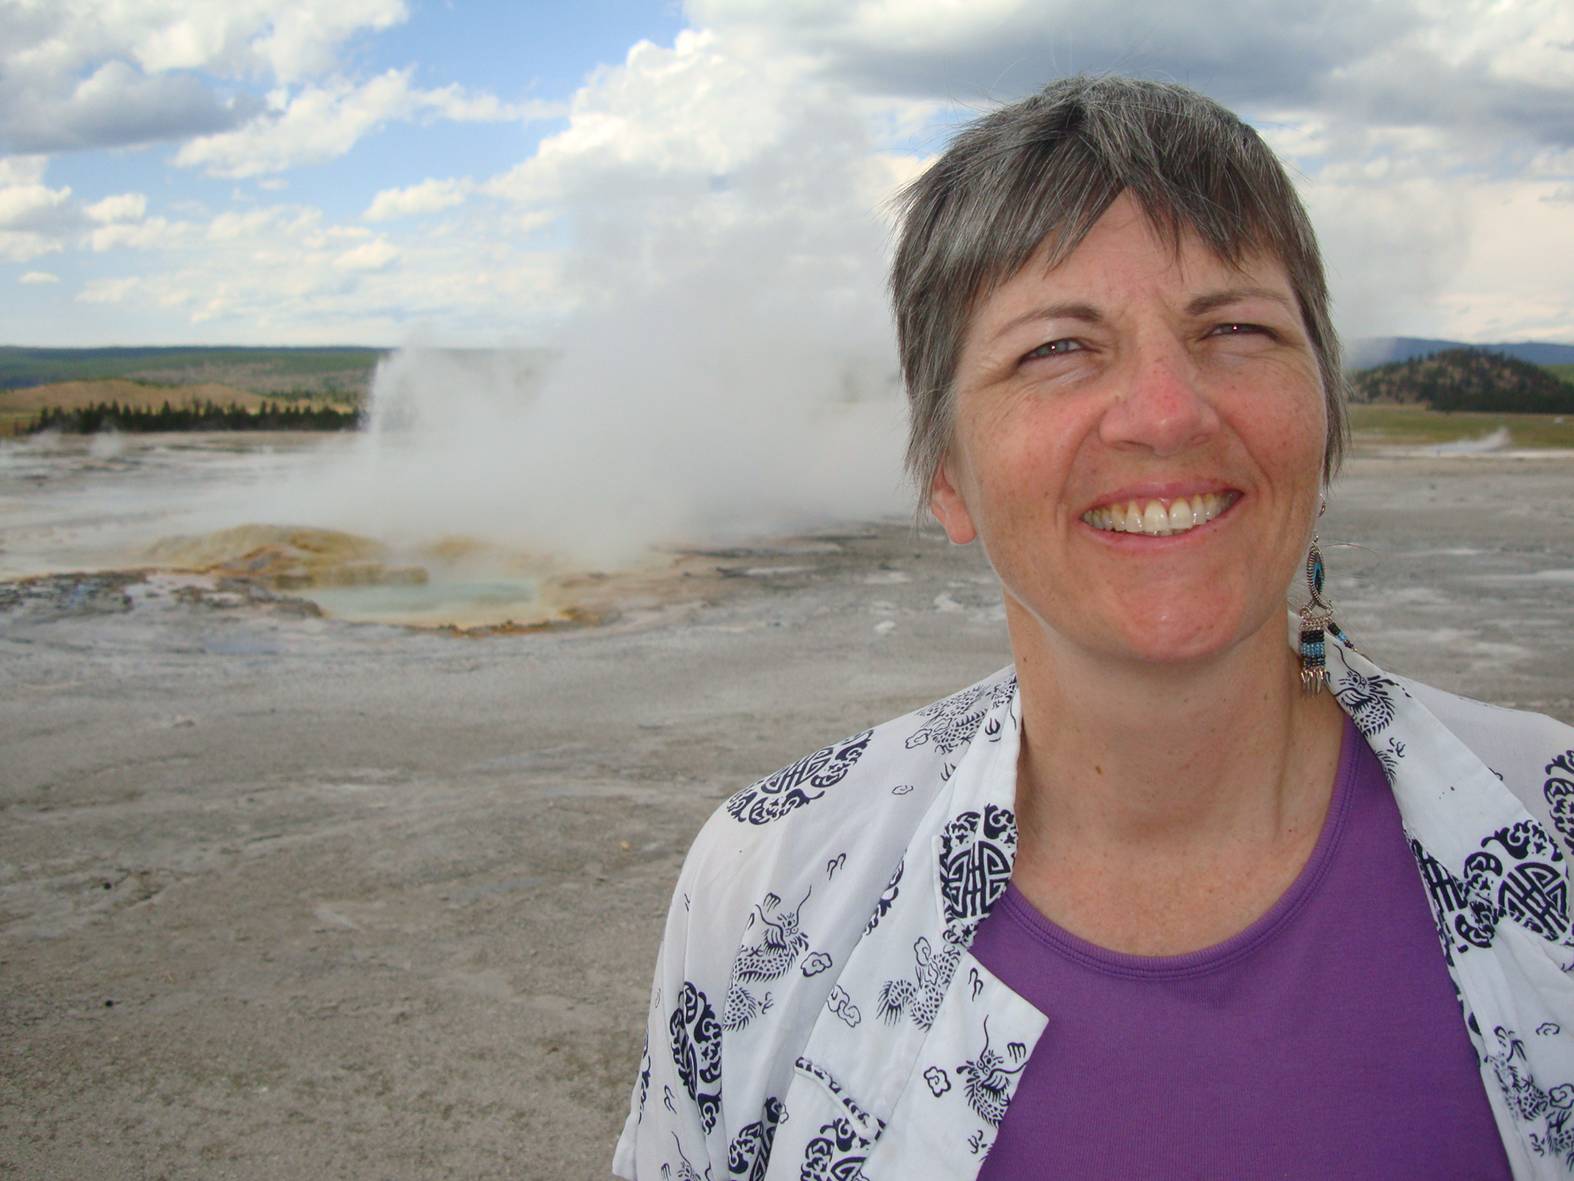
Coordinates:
(1160, 405)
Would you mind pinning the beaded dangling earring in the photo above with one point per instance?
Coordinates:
(1317, 619)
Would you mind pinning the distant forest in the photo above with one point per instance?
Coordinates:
(1466, 379)
(202, 416)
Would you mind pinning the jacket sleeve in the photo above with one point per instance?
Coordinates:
(674, 1127)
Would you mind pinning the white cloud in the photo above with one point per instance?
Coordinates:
(668, 118)
(113, 106)
(274, 221)
(156, 233)
(289, 42)
(34, 218)
(304, 38)
(287, 272)
(430, 196)
(34, 206)
(38, 278)
(369, 256)
(323, 121)
(717, 143)
(317, 123)
(1401, 119)
(120, 207)
(530, 220)
(232, 39)
(22, 170)
(24, 246)
(84, 73)
(1390, 247)
(332, 236)
(978, 52)
(1477, 64)
(1513, 228)
(755, 152)
(95, 73)
(454, 103)
(109, 290)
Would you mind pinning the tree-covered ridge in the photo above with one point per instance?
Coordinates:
(1466, 379)
(199, 416)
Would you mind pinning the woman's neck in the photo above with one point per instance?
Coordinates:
(1207, 780)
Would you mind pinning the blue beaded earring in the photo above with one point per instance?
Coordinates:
(1317, 619)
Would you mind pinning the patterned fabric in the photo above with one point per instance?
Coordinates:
(808, 891)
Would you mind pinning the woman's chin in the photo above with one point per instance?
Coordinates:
(1169, 650)
(1265, 641)
(1178, 639)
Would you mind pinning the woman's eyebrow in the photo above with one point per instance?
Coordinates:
(1213, 300)
(1053, 311)
(1087, 313)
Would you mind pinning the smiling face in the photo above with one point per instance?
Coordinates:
(1138, 443)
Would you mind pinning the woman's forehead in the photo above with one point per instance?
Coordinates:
(1118, 260)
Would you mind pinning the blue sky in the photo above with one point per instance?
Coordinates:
(382, 171)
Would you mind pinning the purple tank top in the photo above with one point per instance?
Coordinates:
(1323, 1041)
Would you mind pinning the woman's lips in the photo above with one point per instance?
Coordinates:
(1160, 516)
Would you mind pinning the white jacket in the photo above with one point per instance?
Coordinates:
(814, 990)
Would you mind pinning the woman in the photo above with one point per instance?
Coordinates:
(1148, 903)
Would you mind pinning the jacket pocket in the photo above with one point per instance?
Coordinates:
(824, 1134)
(946, 1118)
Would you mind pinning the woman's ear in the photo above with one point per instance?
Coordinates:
(946, 502)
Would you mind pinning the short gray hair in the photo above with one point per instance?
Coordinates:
(1041, 172)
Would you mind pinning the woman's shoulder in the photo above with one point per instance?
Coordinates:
(780, 885)
(1500, 735)
(1531, 754)
(859, 798)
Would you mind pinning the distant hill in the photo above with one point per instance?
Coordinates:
(1367, 351)
(1466, 379)
(341, 371)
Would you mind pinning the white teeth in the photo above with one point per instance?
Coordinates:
(1153, 519)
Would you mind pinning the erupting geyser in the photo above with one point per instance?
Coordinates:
(728, 374)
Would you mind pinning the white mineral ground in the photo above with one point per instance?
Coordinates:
(283, 895)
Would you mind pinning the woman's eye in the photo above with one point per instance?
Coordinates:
(1054, 348)
(1239, 329)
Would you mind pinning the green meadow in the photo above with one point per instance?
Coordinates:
(1403, 426)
